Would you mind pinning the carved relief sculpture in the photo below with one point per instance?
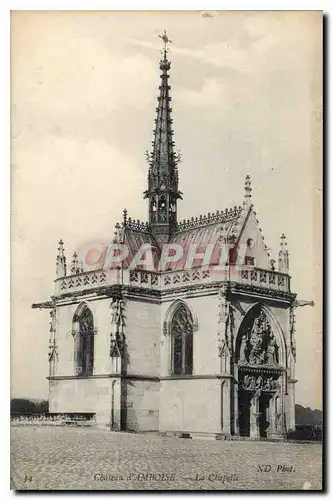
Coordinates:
(255, 382)
(53, 348)
(258, 345)
(243, 349)
(225, 324)
(117, 341)
(292, 339)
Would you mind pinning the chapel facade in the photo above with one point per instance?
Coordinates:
(199, 349)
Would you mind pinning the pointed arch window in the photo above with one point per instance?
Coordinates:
(84, 348)
(182, 341)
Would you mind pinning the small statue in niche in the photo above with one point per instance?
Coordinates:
(268, 383)
(153, 210)
(225, 318)
(223, 306)
(252, 383)
(273, 384)
(162, 209)
(243, 349)
(246, 381)
(52, 321)
(257, 353)
(114, 311)
(271, 353)
(259, 382)
(120, 314)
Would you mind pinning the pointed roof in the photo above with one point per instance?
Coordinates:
(248, 191)
(163, 160)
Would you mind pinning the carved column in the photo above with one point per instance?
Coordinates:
(117, 366)
(254, 416)
(117, 339)
(272, 417)
(292, 342)
(235, 413)
(225, 350)
(53, 348)
(225, 331)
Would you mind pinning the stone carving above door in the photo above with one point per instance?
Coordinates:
(259, 382)
(258, 344)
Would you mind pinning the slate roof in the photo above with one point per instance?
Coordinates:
(202, 231)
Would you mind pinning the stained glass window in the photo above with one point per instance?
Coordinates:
(182, 341)
(85, 343)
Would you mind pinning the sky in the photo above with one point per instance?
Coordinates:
(246, 98)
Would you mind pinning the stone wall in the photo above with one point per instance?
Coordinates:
(96, 395)
(66, 342)
(141, 400)
(142, 331)
(205, 353)
(190, 405)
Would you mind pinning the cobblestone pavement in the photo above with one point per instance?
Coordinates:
(54, 458)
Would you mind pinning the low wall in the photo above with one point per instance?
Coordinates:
(55, 419)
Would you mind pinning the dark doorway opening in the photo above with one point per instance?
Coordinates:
(244, 405)
(264, 415)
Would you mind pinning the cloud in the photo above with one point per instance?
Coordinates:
(210, 95)
(211, 13)
(59, 79)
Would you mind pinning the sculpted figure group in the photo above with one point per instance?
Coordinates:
(253, 383)
(258, 346)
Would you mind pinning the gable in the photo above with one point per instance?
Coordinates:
(258, 252)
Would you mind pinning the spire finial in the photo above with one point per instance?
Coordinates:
(117, 234)
(61, 261)
(125, 217)
(61, 248)
(248, 191)
(283, 242)
(283, 255)
(166, 40)
(75, 266)
(163, 191)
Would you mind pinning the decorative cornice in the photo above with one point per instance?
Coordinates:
(262, 291)
(49, 304)
(210, 218)
(261, 368)
(136, 225)
(116, 290)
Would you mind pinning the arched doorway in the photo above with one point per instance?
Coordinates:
(260, 375)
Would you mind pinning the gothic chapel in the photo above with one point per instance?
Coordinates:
(184, 350)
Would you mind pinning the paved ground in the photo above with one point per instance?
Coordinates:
(55, 458)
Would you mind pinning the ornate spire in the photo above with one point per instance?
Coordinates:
(248, 191)
(163, 173)
(61, 261)
(283, 255)
(75, 265)
(125, 217)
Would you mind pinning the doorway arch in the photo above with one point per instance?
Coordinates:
(260, 358)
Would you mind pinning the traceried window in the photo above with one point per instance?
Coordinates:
(182, 341)
(84, 342)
